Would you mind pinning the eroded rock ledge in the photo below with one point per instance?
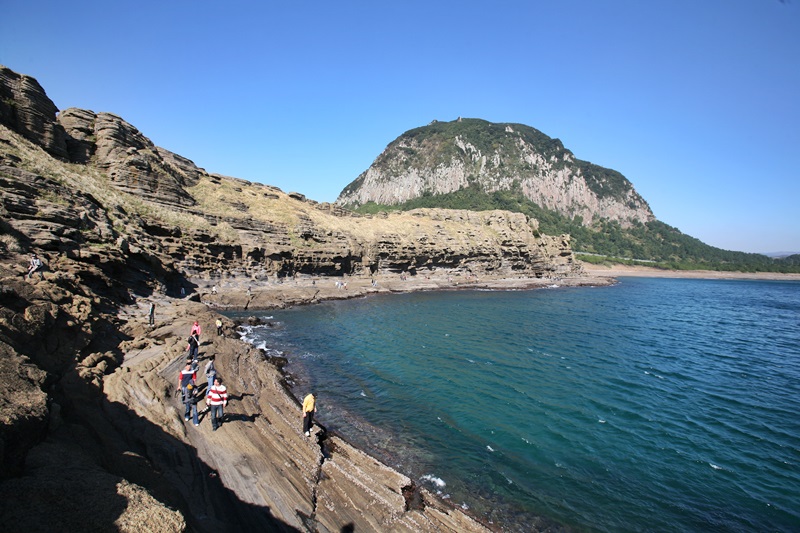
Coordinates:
(260, 454)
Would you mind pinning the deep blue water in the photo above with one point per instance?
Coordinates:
(651, 405)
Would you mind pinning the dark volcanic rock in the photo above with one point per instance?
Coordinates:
(26, 109)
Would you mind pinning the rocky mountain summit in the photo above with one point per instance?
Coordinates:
(91, 433)
(444, 157)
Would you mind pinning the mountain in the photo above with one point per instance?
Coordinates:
(780, 255)
(445, 157)
(164, 204)
(478, 165)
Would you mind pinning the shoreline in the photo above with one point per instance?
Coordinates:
(614, 271)
(276, 294)
(232, 297)
(245, 295)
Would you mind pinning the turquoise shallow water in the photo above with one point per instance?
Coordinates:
(652, 405)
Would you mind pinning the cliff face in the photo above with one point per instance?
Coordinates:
(446, 157)
(88, 430)
(235, 226)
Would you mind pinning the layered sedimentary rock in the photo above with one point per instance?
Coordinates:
(134, 164)
(26, 109)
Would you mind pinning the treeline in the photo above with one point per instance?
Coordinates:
(654, 243)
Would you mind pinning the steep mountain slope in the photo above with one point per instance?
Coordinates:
(445, 157)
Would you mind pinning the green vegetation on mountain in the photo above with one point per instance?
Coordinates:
(653, 243)
(488, 153)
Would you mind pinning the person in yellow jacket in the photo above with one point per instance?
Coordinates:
(309, 408)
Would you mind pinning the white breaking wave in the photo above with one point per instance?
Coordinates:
(437, 482)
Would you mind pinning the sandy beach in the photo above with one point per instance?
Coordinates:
(650, 272)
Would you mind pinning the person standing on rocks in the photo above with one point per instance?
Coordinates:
(217, 399)
(187, 377)
(190, 400)
(309, 408)
(152, 313)
(194, 346)
(219, 327)
(196, 329)
(211, 373)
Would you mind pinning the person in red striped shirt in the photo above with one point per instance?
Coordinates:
(217, 399)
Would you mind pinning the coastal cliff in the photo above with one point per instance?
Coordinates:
(91, 434)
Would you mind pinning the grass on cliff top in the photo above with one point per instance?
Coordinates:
(89, 180)
(229, 197)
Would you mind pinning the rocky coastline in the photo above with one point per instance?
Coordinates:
(92, 436)
(260, 455)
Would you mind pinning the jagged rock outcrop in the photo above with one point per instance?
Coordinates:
(26, 109)
(130, 159)
(445, 157)
(134, 164)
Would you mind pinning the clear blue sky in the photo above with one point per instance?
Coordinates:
(697, 103)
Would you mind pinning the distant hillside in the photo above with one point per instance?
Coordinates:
(780, 255)
(477, 165)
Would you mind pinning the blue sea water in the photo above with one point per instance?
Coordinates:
(651, 405)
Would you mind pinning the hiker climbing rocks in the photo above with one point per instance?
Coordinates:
(190, 400)
(309, 408)
(217, 398)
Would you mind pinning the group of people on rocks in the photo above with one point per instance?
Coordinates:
(216, 394)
